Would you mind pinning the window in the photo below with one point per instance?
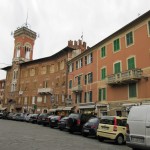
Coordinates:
(132, 90)
(129, 38)
(79, 64)
(79, 80)
(88, 78)
(88, 59)
(70, 84)
(102, 94)
(43, 70)
(103, 73)
(33, 100)
(25, 101)
(116, 45)
(63, 98)
(78, 98)
(88, 96)
(117, 67)
(45, 84)
(149, 27)
(71, 67)
(18, 51)
(44, 99)
(32, 72)
(131, 63)
(27, 51)
(103, 52)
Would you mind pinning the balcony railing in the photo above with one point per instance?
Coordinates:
(77, 88)
(125, 77)
(45, 91)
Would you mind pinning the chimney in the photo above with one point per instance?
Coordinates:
(84, 45)
(70, 43)
(75, 44)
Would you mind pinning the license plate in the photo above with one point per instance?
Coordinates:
(86, 130)
(105, 128)
(53, 121)
(137, 140)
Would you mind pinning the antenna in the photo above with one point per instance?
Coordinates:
(26, 24)
(82, 36)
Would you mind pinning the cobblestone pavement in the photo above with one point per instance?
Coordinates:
(25, 136)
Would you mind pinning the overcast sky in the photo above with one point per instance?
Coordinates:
(57, 21)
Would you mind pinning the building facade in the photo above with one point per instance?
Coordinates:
(114, 74)
(2, 91)
(37, 85)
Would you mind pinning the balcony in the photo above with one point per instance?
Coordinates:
(77, 88)
(45, 91)
(126, 77)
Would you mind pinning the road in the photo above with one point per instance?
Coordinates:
(26, 136)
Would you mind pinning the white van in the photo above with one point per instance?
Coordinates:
(138, 128)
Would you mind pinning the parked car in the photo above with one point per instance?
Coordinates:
(46, 119)
(112, 127)
(1, 115)
(138, 127)
(90, 127)
(42, 117)
(10, 116)
(33, 118)
(19, 117)
(76, 121)
(54, 121)
(5, 115)
(28, 117)
(62, 123)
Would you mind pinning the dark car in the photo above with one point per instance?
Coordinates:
(1, 115)
(42, 117)
(62, 123)
(76, 121)
(54, 121)
(46, 119)
(33, 118)
(90, 127)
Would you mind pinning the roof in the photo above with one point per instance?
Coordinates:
(123, 29)
(66, 49)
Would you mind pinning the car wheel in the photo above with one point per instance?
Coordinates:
(100, 139)
(120, 139)
(85, 134)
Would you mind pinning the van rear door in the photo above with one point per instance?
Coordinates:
(148, 128)
(136, 121)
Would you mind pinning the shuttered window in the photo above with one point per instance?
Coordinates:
(103, 73)
(102, 94)
(129, 38)
(132, 90)
(117, 68)
(103, 52)
(131, 63)
(116, 45)
(149, 27)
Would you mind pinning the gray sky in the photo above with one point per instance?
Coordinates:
(57, 21)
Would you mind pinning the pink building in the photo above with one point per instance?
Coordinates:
(114, 74)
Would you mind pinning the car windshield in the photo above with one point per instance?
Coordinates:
(107, 120)
(93, 120)
(74, 116)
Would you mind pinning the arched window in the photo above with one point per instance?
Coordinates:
(18, 51)
(27, 51)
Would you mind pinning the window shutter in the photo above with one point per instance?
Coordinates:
(100, 92)
(91, 57)
(131, 64)
(85, 79)
(104, 94)
(85, 60)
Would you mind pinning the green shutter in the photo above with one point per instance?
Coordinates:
(132, 90)
(116, 45)
(104, 93)
(103, 52)
(100, 92)
(131, 64)
(149, 27)
(117, 68)
(103, 73)
(129, 38)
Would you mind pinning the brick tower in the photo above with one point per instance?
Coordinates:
(23, 44)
